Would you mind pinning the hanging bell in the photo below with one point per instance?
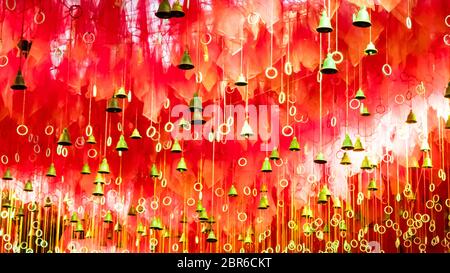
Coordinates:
(117, 227)
(86, 169)
(329, 65)
(263, 202)
(360, 94)
(337, 203)
(51, 172)
(248, 239)
(427, 164)
(99, 179)
(307, 212)
(28, 186)
(91, 139)
(195, 103)
(211, 220)
(108, 217)
(447, 91)
(274, 155)
(19, 82)
(342, 226)
(211, 237)
(6, 203)
(364, 111)
(199, 206)
(411, 117)
(322, 197)
(121, 144)
(414, 164)
(135, 134)
(307, 230)
(347, 144)
(154, 223)
(320, 158)
(166, 234)
(326, 228)
(176, 147)
(154, 171)
(372, 185)
(177, 10)
(186, 62)
(121, 93)
(232, 192)
(197, 118)
(447, 123)
(358, 145)
(79, 227)
(241, 238)
(7, 175)
(365, 164)
(132, 211)
(246, 130)
(241, 80)
(20, 212)
(163, 10)
(324, 23)
(266, 167)
(184, 123)
(370, 49)
(64, 138)
(113, 106)
(294, 146)
(425, 147)
(98, 190)
(104, 166)
(345, 160)
(181, 167)
(203, 216)
(362, 19)
(140, 228)
(264, 188)
(74, 217)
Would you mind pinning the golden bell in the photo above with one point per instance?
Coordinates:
(427, 164)
(99, 179)
(360, 94)
(166, 234)
(364, 111)
(135, 134)
(108, 217)
(181, 167)
(79, 227)
(195, 103)
(121, 144)
(104, 166)
(414, 164)
(307, 212)
(447, 91)
(19, 82)
(323, 199)
(329, 65)
(365, 164)
(6, 203)
(358, 145)
(370, 49)
(98, 191)
(51, 172)
(345, 160)
(337, 203)
(232, 192)
(263, 202)
(74, 217)
(294, 146)
(176, 147)
(7, 175)
(186, 62)
(28, 186)
(307, 230)
(246, 130)
(266, 167)
(140, 228)
(154, 171)
(241, 81)
(425, 147)
(203, 216)
(342, 226)
(113, 106)
(326, 228)
(372, 185)
(211, 220)
(274, 155)
(320, 158)
(91, 139)
(20, 212)
(241, 238)
(324, 23)
(183, 219)
(183, 123)
(347, 144)
(117, 227)
(362, 19)
(64, 138)
(132, 211)
(248, 239)
(411, 117)
(199, 207)
(86, 169)
(264, 188)
(154, 223)
(211, 237)
(177, 10)
(197, 118)
(121, 93)
(163, 10)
